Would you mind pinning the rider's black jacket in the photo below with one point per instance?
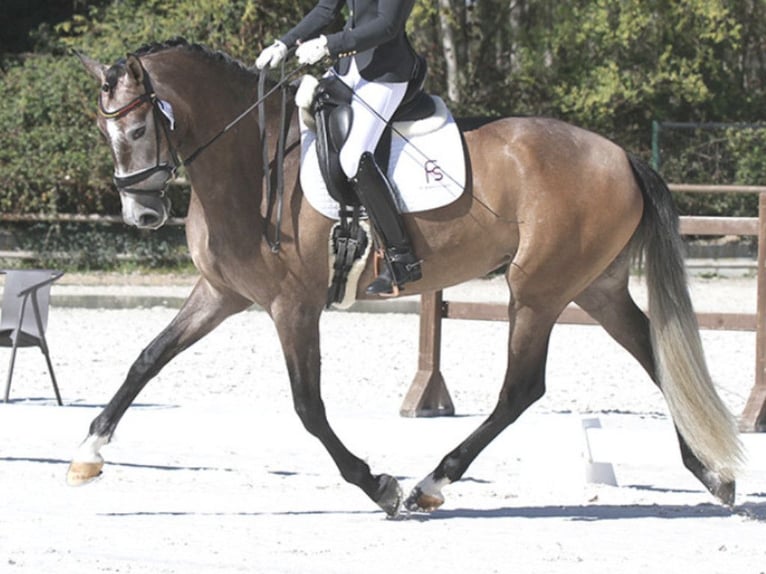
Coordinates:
(374, 35)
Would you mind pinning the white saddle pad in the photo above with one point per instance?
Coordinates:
(427, 166)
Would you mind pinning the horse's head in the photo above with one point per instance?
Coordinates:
(137, 124)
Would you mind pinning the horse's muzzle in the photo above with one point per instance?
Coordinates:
(145, 210)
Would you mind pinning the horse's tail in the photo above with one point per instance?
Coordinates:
(701, 417)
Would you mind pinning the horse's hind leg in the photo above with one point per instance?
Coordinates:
(609, 302)
(530, 328)
(298, 328)
(201, 313)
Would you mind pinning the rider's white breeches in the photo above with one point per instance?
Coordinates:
(373, 105)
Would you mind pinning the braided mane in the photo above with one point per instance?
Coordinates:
(118, 68)
(180, 42)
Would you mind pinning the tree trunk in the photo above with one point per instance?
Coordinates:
(446, 18)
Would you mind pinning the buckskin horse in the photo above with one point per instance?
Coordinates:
(565, 209)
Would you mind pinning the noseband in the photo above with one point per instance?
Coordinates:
(148, 97)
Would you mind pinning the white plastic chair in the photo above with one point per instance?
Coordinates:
(24, 317)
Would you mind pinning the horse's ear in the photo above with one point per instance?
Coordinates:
(135, 70)
(96, 69)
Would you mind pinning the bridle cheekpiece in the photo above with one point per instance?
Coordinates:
(161, 118)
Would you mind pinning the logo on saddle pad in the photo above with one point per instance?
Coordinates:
(426, 165)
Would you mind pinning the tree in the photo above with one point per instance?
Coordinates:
(450, 50)
(608, 65)
(51, 156)
(611, 65)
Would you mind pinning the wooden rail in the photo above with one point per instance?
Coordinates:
(428, 394)
(73, 218)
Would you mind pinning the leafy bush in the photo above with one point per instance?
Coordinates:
(610, 66)
(90, 246)
(52, 159)
(723, 154)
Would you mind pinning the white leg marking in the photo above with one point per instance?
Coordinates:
(88, 450)
(431, 487)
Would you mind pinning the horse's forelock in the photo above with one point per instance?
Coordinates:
(113, 75)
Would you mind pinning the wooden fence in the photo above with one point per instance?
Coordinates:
(428, 394)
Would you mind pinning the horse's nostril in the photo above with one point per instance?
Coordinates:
(148, 220)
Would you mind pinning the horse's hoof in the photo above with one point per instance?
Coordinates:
(80, 473)
(389, 495)
(419, 501)
(725, 492)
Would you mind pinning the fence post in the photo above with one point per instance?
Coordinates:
(428, 395)
(754, 416)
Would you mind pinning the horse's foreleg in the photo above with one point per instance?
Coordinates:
(524, 384)
(201, 313)
(298, 328)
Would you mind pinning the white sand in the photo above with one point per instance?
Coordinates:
(211, 471)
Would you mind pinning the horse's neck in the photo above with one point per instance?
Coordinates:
(275, 117)
(227, 177)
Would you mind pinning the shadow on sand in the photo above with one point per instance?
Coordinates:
(594, 512)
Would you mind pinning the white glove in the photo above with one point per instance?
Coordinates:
(312, 51)
(271, 56)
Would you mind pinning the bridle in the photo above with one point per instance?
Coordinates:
(148, 97)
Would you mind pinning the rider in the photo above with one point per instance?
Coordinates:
(376, 60)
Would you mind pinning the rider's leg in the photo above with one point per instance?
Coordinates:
(375, 193)
(373, 105)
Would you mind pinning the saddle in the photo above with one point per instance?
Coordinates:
(331, 115)
(421, 151)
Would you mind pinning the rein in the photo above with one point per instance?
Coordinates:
(261, 99)
(274, 187)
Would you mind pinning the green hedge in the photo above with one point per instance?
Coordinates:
(93, 246)
(52, 159)
(51, 156)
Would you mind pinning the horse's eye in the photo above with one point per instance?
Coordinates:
(138, 133)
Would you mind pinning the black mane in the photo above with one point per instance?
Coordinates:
(180, 42)
(118, 68)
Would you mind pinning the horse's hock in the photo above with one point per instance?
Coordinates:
(428, 394)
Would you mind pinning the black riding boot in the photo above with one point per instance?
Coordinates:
(374, 191)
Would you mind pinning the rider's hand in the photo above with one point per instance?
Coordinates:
(271, 56)
(312, 51)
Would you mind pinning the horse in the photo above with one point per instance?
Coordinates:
(566, 211)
